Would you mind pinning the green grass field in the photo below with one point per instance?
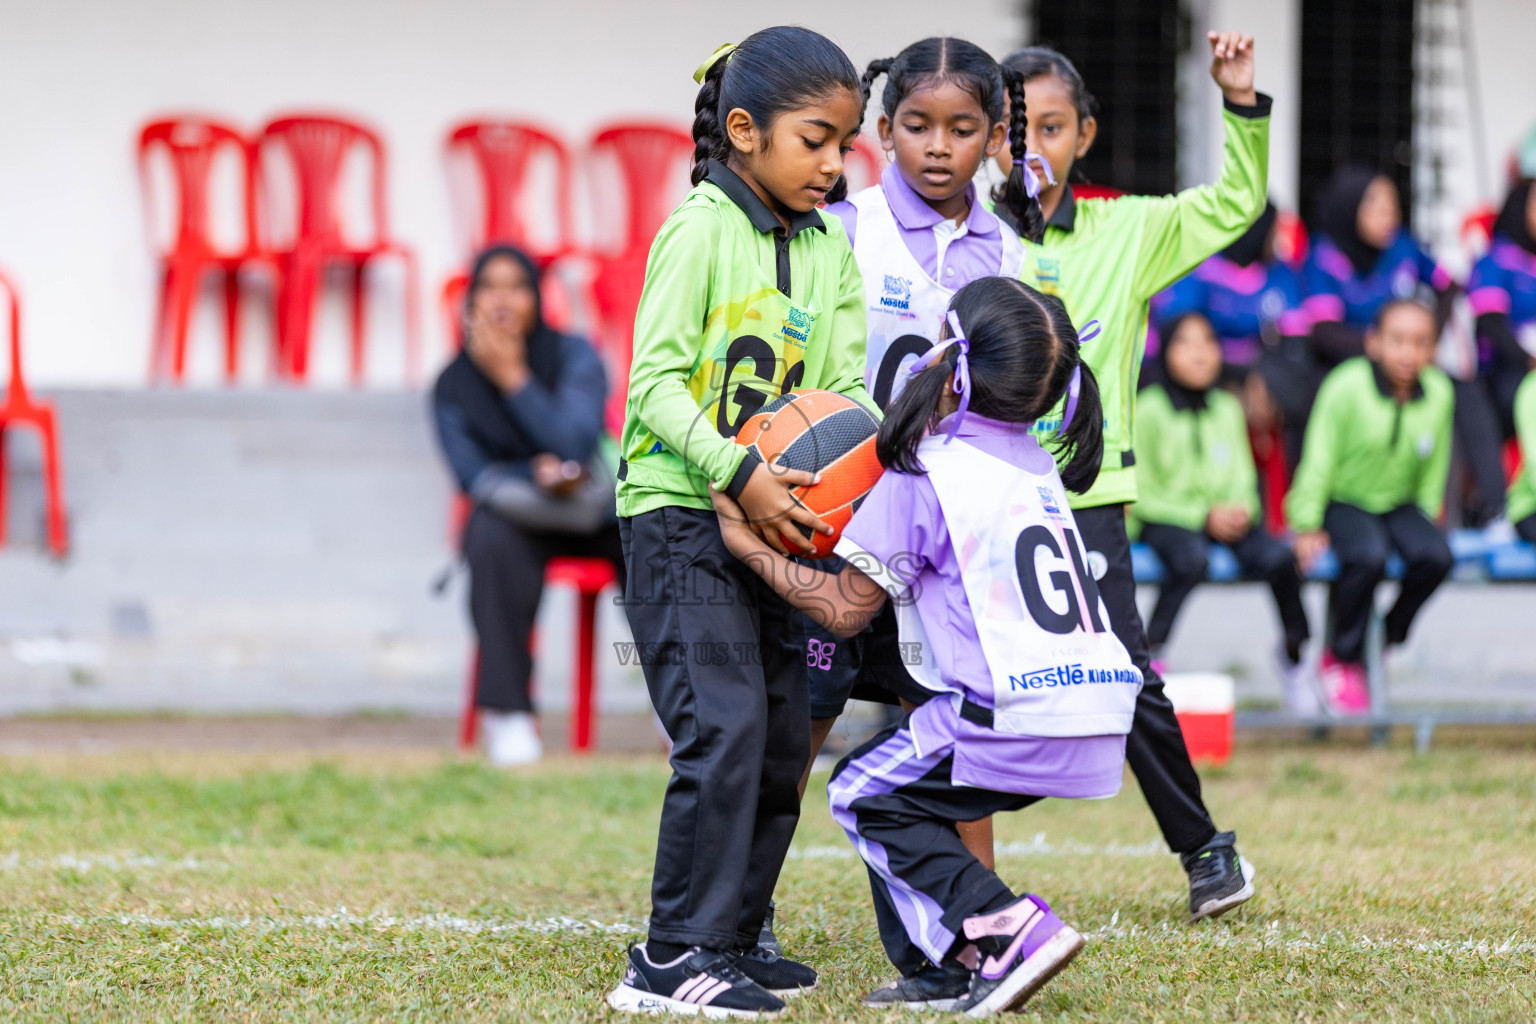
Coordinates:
(268, 887)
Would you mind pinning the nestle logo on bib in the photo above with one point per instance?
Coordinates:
(1048, 502)
(796, 324)
(1071, 675)
(898, 293)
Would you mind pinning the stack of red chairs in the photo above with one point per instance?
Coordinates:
(19, 408)
(308, 235)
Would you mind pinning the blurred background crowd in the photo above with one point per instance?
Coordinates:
(242, 244)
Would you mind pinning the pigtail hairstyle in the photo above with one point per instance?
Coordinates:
(1083, 436)
(1023, 352)
(1023, 207)
(773, 70)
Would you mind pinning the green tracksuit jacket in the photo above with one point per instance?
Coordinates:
(1189, 460)
(716, 336)
(1106, 258)
(1364, 449)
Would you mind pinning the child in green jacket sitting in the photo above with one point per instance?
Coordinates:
(1196, 484)
(1372, 479)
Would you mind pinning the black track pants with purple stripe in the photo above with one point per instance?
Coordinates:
(899, 808)
(728, 683)
(1155, 748)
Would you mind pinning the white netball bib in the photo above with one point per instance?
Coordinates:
(905, 307)
(1057, 667)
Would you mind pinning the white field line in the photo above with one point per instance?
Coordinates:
(1036, 847)
(343, 919)
(1271, 938)
(82, 861)
(13, 861)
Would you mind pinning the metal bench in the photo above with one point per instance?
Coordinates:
(1477, 561)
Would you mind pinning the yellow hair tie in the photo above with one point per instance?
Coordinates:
(723, 50)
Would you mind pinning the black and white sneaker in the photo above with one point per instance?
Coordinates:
(774, 971)
(767, 940)
(701, 981)
(932, 988)
(1219, 878)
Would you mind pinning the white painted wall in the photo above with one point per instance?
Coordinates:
(78, 78)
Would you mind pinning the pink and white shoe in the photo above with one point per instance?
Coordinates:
(1345, 690)
(1018, 950)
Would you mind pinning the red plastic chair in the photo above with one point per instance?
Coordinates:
(191, 144)
(20, 408)
(647, 157)
(863, 165)
(503, 153)
(647, 160)
(317, 147)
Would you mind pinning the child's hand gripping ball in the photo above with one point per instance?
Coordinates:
(819, 431)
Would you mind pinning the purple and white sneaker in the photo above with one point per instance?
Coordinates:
(1020, 948)
(700, 982)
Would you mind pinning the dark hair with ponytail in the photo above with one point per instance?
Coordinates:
(1023, 349)
(771, 71)
(1036, 61)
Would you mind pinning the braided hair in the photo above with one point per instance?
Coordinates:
(772, 71)
(1024, 208)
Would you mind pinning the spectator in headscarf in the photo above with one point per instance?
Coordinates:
(519, 416)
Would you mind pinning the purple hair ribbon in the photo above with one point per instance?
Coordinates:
(1032, 184)
(962, 385)
(1075, 386)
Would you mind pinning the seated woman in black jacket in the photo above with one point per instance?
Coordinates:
(519, 416)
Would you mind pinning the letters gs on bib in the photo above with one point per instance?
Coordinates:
(747, 348)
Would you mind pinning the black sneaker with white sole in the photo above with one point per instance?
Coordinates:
(1219, 878)
(700, 982)
(932, 988)
(774, 971)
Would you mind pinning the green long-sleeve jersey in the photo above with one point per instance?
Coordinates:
(1522, 489)
(1106, 258)
(1366, 449)
(716, 336)
(1190, 460)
